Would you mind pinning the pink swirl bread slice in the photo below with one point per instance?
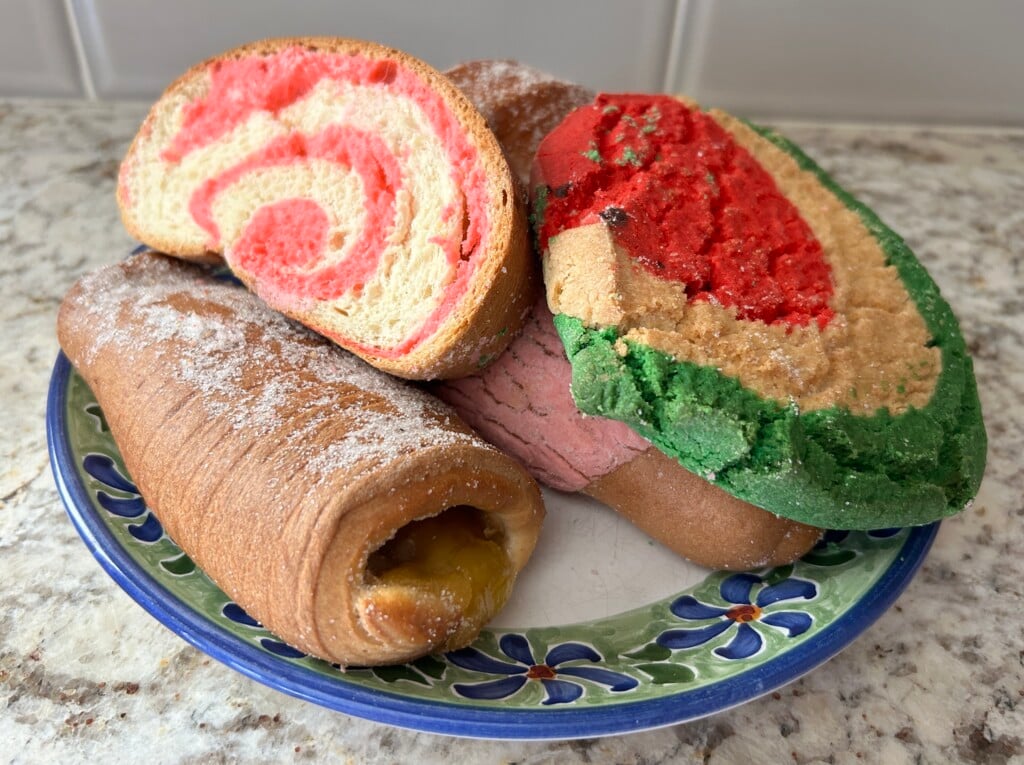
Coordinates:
(352, 187)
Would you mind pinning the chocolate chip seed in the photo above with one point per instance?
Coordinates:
(614, 216)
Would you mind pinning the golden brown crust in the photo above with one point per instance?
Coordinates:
(277, 462)
(453, 478)
(506, 278)
(697, 519)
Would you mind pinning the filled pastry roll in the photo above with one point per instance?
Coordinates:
(357, 518)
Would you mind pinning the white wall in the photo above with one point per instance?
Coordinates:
(917, 60)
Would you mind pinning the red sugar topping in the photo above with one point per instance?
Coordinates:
(688, 203)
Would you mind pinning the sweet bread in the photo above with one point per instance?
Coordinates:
(352, 187)
(522, 403)
(717, 292)
(354, 516)
(521, 104)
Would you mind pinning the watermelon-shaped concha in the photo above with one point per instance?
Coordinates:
(718, 292)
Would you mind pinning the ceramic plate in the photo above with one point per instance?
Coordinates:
(607, 632)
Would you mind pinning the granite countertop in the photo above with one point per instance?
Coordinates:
(87, 675)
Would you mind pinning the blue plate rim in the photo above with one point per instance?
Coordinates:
(435, 716)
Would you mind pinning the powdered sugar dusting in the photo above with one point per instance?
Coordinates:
(255, 369)
(497, 76)
(521, 104)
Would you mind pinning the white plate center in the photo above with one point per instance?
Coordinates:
(591, 563)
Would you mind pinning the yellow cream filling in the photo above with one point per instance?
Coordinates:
(452, 557)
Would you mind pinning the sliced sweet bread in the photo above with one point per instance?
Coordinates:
(352, 187)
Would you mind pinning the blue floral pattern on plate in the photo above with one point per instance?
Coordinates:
(105, 470)
(523, 668)
(742, 615)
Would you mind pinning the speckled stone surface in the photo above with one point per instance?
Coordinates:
(939, 678)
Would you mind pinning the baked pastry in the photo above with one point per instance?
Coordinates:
(353, 515)
(719, 293)
(521, 104)
(352, 187)
(521, 402)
